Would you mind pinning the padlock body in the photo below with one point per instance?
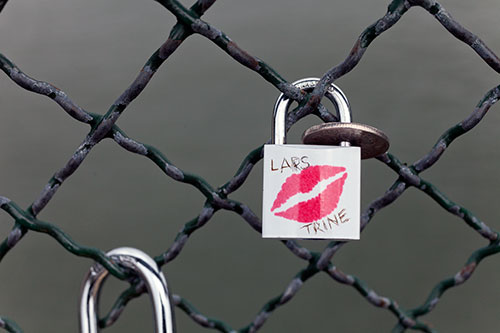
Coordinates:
(311, 192)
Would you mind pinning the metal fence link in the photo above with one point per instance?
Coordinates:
(189, 22)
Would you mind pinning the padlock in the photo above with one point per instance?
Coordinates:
(313, 191)
(146, 269)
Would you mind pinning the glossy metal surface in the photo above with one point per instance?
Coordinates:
(282, 104)
(147, 269)
(372, 141)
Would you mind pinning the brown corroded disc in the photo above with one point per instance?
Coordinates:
(372, 141)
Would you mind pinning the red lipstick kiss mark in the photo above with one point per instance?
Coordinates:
(315, 208)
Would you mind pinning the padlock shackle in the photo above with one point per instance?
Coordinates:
(334, 94)
(147, 269)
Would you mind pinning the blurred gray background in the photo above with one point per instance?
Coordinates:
(206, 112)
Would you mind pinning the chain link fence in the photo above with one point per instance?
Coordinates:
(189, 22)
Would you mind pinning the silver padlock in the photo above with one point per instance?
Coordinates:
(147, 269)
(313, 190)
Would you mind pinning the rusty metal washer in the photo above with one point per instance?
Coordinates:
(372, 141)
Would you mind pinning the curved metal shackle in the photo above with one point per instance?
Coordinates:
(333, 93)
(147, 269)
